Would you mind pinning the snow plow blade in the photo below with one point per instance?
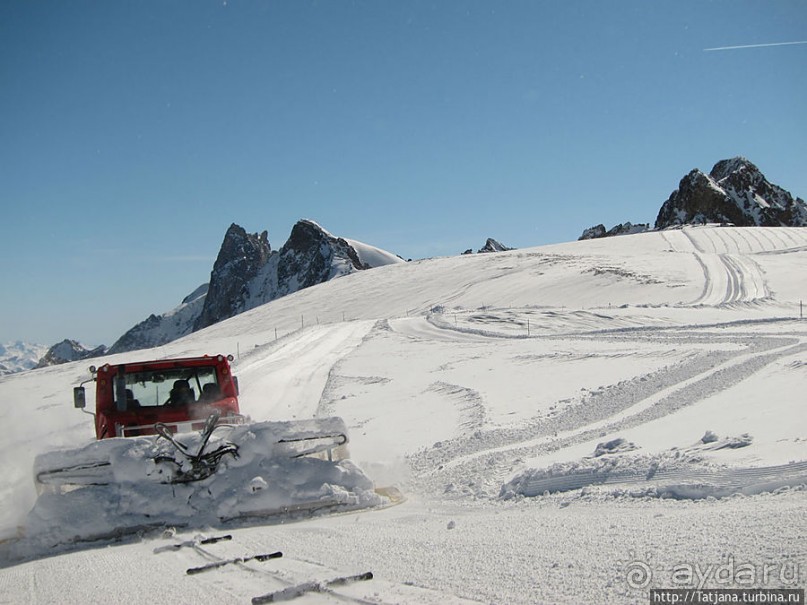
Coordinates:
(263, 472)
(166, 458)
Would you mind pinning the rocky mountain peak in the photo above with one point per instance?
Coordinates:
(241, 257)
(248, 273)
(242, 250)
(491, 245)
(598, 231)
(68, 350)
(305, 235)
(312, 255)
(735, 191)
(736, 165)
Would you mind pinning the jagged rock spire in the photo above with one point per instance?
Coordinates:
(248, 273)
(240, 260)
(735, 191)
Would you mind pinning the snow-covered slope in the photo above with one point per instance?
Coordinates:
(605, 373)
(371, 256)
(157, 330)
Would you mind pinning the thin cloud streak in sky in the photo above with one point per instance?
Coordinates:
(754, 46)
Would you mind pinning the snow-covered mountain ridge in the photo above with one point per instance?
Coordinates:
(67, 351)
(735, 191)
(248, 273)
(19, 356)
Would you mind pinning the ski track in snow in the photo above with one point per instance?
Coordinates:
(730, 274)
(470, 404)
(287, 378)
(484, 459)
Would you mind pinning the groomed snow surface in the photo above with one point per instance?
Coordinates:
(570, 423)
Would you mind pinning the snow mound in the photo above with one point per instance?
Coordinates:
(614, 446)
(673, 474)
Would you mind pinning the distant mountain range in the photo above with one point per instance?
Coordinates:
(734, 192)
(248, 273)
(19, 356)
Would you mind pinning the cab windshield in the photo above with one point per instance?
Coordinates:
(180, 386)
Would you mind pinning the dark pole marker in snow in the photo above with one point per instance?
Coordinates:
(292, 592)
(217, 564)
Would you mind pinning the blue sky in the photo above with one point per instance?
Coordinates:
(133, 133)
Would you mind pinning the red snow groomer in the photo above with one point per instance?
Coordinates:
(172, 449)
(179, 394)
(166, 412)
